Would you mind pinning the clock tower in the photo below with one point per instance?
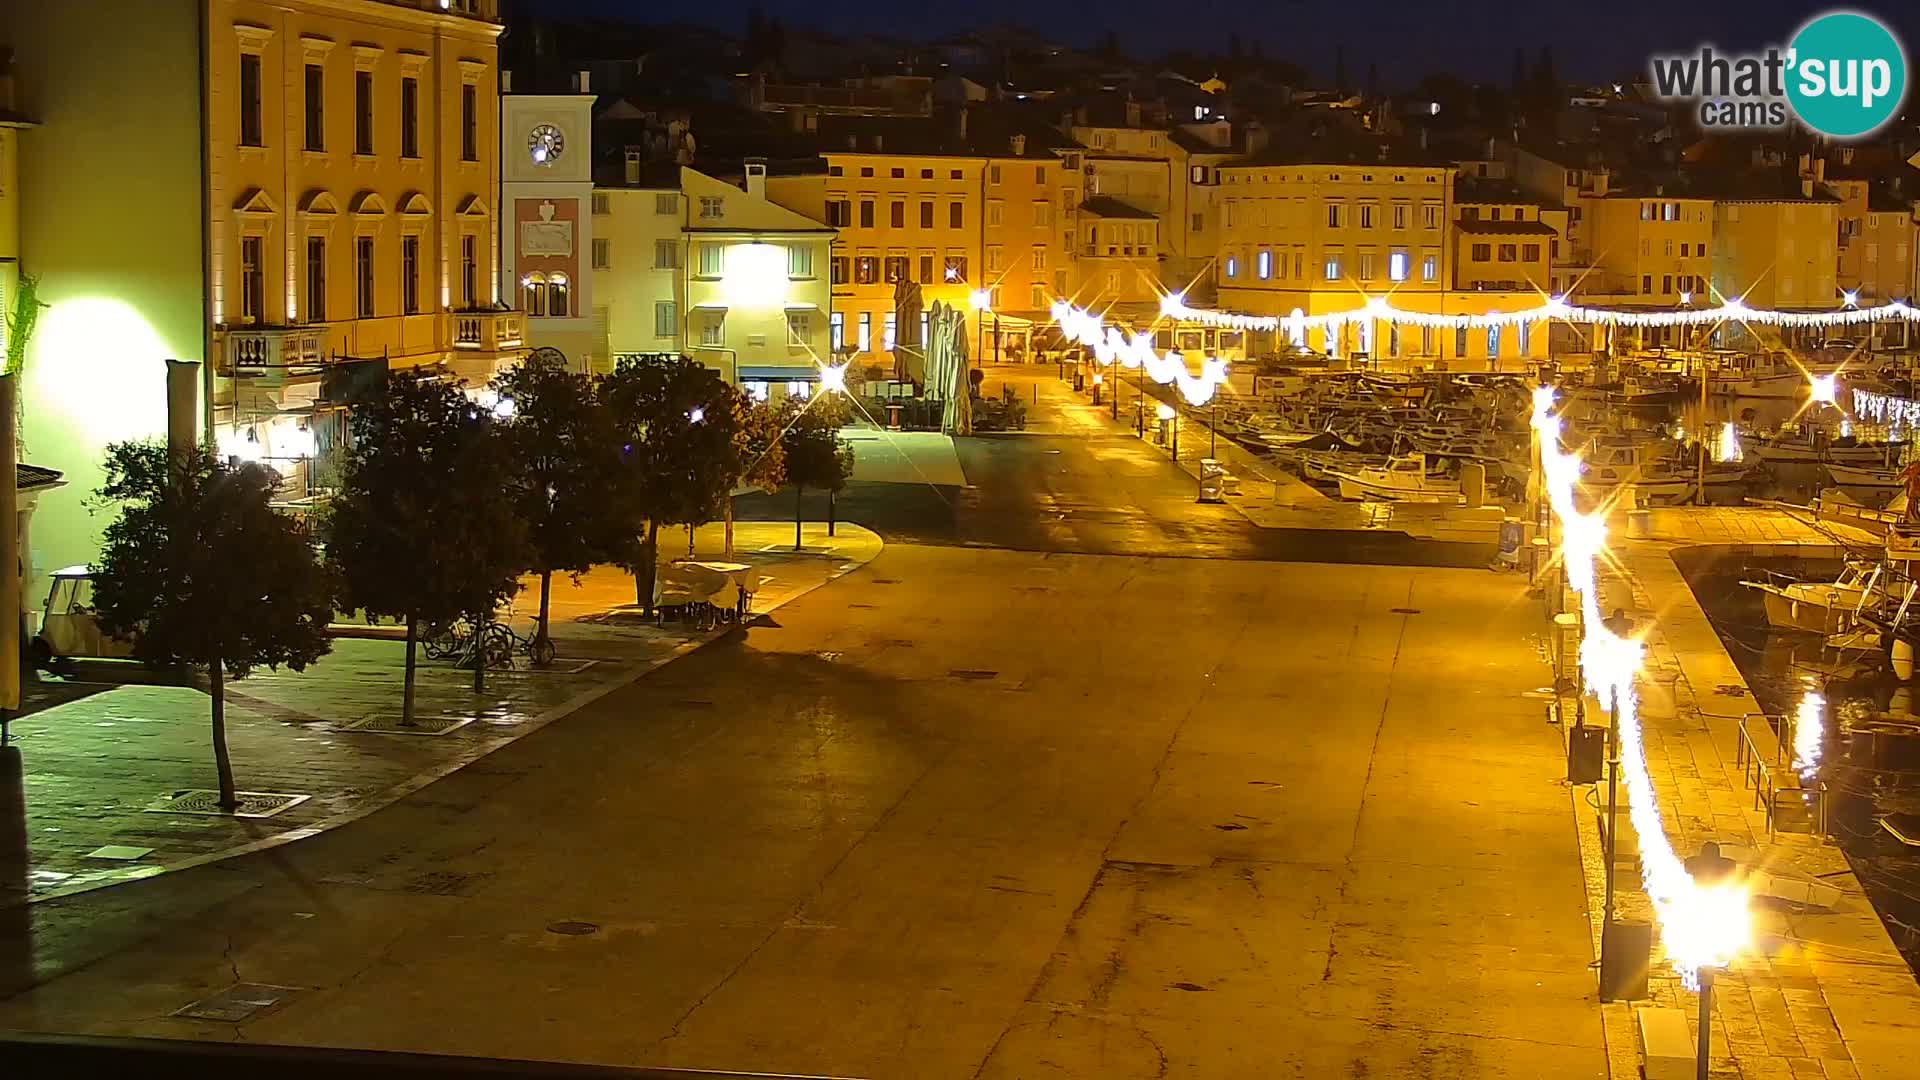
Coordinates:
(546, 216)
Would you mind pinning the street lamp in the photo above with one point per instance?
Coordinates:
(1708, 868)
(1097, 380)
(833, 378)
(1167, 412)
(981, 300)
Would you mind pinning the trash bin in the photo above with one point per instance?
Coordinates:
(1510, 535)
(1213, 481)
(1160, 429)
(1079, 381)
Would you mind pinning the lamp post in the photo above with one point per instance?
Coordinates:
(1707, 868)
(1168, 412)
(980, 300)
(832, 379)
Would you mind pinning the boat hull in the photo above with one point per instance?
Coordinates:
(1352, 487)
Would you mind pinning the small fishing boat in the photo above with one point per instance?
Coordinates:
(1812, 444)
(1401, 479)
(1862, 476)
(1821, 607)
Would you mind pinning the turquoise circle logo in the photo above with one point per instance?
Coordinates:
(1847, 74)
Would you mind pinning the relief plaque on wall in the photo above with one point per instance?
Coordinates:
(546, 236)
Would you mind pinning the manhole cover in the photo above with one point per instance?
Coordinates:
(241, 1001)
(253, 804)
(972, 673)
(444, 883)
(573, 929)
(422, 725)
(1406, 611)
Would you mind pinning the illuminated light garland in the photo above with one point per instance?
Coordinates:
(1173, 306)
(1701, 925)
(1886, 409)
(1110, 346)
(1729, 449)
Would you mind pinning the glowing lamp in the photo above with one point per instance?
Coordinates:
(980, 299)
(1851, 297)
(696, 414)
(1377, 307)
(1164, 411)
(1823, 388)
(1171, 304)
(755, 276)
(1098, 379)
(833, 377)
(1686, 299)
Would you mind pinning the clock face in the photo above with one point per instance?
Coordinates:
(545, 144)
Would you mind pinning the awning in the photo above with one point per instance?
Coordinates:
(769, 373)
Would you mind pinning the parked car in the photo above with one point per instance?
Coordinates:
(68, 629)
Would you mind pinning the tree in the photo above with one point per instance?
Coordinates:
(816, 456)
(677, 422)
(762, 455)
(1546, 84)
(424, 529)
(200, 570)
(565, 454)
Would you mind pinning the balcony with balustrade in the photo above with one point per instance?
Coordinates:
(270, 352)
(488, 331)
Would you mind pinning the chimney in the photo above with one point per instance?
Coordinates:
(1133, 114)
(1600, 177)
(1018, 143)
(506, 84)
(633, 165)
(583, 82)
(879, 143)
(1806, 187)
(961, 121)
(1820, 170)
(757, 177)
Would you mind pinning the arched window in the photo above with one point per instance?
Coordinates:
(534, 288)
(557, 295)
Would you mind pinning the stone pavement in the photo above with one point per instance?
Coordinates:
(1823, 993)
(97, 752)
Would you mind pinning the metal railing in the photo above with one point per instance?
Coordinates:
(1790, 804)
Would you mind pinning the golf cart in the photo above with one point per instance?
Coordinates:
(68, 629)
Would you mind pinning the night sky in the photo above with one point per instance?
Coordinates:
(1591, 39)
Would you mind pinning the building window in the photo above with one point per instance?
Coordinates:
(1430, 216)
(837, 331)
(410, 274)
(800, 260)
(886, 330)
(557, 297)
(1646, 284)
(1199, 222)
(1524, 334)
(897, 214)
(953, 174)
(1460, 343)
(895, 269)
(1469, 213)
(899, 174)
(1666, 284)
(666, 202)
(866, 270)
(1037, 297)
(863, 339)
(1333, 215)
(1530, 252)
(316, 279)
(800, 328)
(533, 290)
(993, 174)
(839, 213)
(253, 289)
(316, 107)
(1399, 215)
(866, 213)
(1509, 252)
(713, 330)
(363, 112)
(666, 319)
(837, 265)
(602, 204)
(409, 118)
(926, 215)
(1429, 268)
(1042, 212)
(469, 123)
(602, 254)
(1366, 266)
(469, 269)
(994, 211)
(955, 271)
(1493, 342)
(1366, 215)
(363, 276)
(1197, 174)
(1332, 269)
(1263, 264)
(994, 264)
(1494, 214)
(1482, 253)
(666, 254)
(1397, 265)
(955, 215)
(713, 260)
(866, 170)
(1038, 261)
(1233, 266)
(712, 207)
(926, 269)
(250, 134)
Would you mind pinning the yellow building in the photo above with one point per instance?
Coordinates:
(1876, 241)
(717, 272)
(1775, 244)
(982, 216)
(1322, 237)
(329, 197)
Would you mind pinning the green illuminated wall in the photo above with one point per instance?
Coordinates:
(110, 184)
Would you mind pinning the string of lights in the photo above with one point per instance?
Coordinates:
(1701, 925)
(1378, 308)
(1110, 345)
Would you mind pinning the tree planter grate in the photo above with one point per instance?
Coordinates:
(239, 1002)
(253, 804)
(422, 725)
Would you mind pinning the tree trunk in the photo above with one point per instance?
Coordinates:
(546, 591)
(689, 539)
(729, 554)
(830, 511)
(222, 764)
(798, 493)
(650, 566)
(406, 697)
